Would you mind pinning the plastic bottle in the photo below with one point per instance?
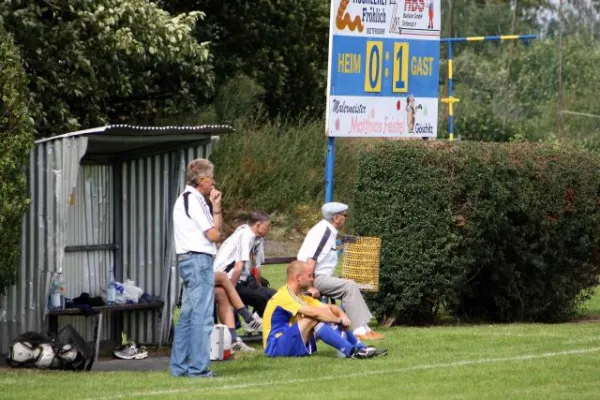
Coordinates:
(55, 293)
(111, 289)
(63, 291)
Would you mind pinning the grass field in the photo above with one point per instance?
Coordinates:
(560, 361)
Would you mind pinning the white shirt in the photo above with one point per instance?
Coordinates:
(319, 244)
(240, 246)
(190, 225)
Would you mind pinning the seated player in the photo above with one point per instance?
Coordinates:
(292, 321)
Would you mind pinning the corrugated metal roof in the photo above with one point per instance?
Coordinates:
(107, 144)
(137, 130)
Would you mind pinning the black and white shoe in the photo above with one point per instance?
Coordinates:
(380, 352)
(362, 353)
(130, 351)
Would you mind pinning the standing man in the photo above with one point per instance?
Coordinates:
(196, 230)
(319, 252)
(240, 253)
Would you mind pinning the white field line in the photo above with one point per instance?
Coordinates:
(346, 376)
(583, 340)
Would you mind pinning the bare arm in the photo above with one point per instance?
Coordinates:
(323, 313)
(314, 292)
(214, 234)
(341, 315)
(237, 271)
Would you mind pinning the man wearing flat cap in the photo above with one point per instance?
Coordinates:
(318, 250)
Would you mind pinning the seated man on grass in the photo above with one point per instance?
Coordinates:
(292, 321)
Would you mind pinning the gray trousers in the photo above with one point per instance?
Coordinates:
(346, 290)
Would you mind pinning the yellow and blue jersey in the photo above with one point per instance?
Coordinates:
(282, 311)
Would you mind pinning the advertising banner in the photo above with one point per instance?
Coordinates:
(383, 68)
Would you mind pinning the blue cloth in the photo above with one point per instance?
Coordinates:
(289, 343)
(334, 338)
(353, 340)
(190, 355)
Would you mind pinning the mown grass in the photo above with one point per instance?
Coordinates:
(549, 361)
(484, 361)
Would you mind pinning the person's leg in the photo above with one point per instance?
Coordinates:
(353, 340)
(295, 341)
(306, 327)
(180, 350)
(349, 293)
(224, 310)
(223, 281)
(333, 338)
(253, 296)
(201, 324)
(191, 314)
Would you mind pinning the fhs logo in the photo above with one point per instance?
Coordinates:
(344, 20)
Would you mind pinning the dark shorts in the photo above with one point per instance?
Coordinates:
(290, 344)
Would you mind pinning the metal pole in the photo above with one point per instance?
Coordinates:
(450, 95)
(559, 102)
(329, 169)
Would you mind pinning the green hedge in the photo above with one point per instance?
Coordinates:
(16, 139)
(499, 232)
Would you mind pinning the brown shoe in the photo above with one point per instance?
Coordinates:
(371, 335)
(375, 336)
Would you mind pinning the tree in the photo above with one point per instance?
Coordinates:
(282, 45)
(16, 139)
(104, 61)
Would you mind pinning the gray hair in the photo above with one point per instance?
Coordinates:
(197, 169)
(258, 216)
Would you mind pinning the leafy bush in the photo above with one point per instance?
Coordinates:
(501, 232)
(281, 168)
(16, 139)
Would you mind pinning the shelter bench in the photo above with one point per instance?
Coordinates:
(119, 308)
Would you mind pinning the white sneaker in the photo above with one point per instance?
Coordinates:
(255, 325)
(239, 346)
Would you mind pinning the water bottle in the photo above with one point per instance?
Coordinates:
(63, 291)
(55, 293)
(341, 354)
(111, 289)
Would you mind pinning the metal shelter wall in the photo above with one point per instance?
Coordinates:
(53, 173)
(150, 187)
(142, 191)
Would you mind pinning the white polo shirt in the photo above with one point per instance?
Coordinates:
(191, 220)
(244, 246)
(319, 244)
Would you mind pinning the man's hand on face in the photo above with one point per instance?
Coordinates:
(215, 197)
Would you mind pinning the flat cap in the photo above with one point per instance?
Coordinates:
(333, 208)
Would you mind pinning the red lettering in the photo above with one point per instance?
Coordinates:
(414, 5)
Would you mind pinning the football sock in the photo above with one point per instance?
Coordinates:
(245, 314)
(233, 335)
(332, 337)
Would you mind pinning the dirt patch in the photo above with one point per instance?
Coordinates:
(282, 248)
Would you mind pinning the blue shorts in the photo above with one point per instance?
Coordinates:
(290, 344)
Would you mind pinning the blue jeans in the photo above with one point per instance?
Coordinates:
(190, 355)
